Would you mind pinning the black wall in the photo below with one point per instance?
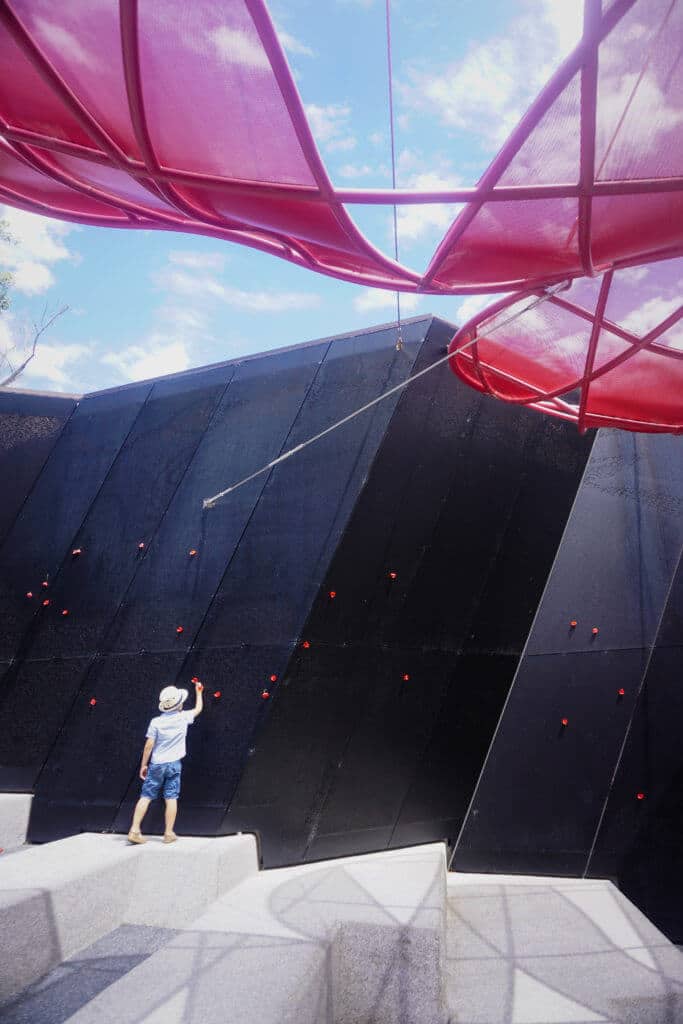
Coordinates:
(132, 466)
(464, 498)
(563, 800)
(466, 502)
(29, 427)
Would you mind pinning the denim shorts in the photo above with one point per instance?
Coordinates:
(166, 775)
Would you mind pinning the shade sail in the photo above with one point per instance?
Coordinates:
(606, 352)
(185, 117)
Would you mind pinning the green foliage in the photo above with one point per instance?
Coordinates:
(5, 276)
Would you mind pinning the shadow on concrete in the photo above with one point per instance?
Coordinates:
(520, 954)
(68, 987)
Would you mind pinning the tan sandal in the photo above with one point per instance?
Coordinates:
(137, 838)
(170, 837)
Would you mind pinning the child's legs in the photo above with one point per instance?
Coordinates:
(150, 791)
(170, 815)
(171, 793)
(139, 813)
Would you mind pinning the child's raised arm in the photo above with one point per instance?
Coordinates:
(199, 699)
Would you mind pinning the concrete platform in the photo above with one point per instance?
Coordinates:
(59, 898)
(525, 950)
(351, 941)
(387, 938)
(15, 809)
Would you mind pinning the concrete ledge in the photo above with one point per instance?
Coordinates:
(358, 940)
(15, 809)
(175, 884)
(54, 900)
(58, 898)
(529, 949)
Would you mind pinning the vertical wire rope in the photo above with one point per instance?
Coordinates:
(634, 710)
(496, 731)
(390, 82)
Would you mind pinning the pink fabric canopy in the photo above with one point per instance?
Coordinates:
(185, 117)
(604, 352)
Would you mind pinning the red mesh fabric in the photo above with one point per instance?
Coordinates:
(82, 43)
(623, 368)
(230, 119)
(166, 114)
(607, 128)
(30, 103)
(640, 86)
(185, 116)
(509, 242)
(551, 153)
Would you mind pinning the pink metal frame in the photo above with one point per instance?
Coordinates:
(42, 152)
(466, 355)
(190, 201)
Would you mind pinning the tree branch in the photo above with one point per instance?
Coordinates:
(38, 330)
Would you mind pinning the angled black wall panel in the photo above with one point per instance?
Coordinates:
(44, 529)
(619, 554)
(30, 426)
(250, 426)
(447, 497)
(639, 841)
(281, 558)
(99, 747)
(268, 546)
(35, 700)
(126, 511)
(540, 802)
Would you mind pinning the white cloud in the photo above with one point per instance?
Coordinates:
(32, 278)
(6, 337)
(39, 242)
(356, 171)
(65, 43)
(197, 260)
(378, 138)
(293, 45)
(371, 299)
(632, 274)
(154, 358)
(343, 145)
(330, 126)
(472, 305)
(651, 313)
(179, 282)
(184, 318)
(416, 222)
(236, 47)
(487, 91)
(58, 363)
(269, 302)
(655, 117)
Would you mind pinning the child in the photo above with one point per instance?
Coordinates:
(166, 747)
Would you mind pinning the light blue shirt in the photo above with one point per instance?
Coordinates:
(168, 732)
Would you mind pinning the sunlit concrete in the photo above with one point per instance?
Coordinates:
(61, 897)
(15, 809)
(524, 950)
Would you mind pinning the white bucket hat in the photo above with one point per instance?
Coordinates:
(171, 698)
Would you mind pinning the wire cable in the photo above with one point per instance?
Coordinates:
(547, 293)
(390, 80)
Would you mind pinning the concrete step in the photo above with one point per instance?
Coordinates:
(15, 809)
(59, 898)
(352, 941)
(524, 950)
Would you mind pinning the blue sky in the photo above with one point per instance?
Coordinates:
(147, 303)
